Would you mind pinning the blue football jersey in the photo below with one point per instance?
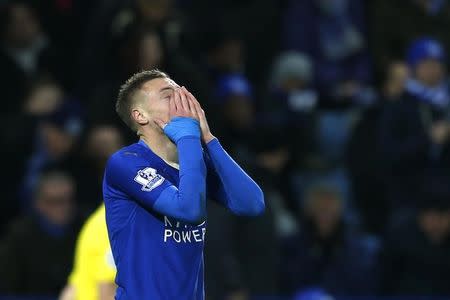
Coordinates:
(157, 257)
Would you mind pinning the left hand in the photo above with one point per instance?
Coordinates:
(206, 132)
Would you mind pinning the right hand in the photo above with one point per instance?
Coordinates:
(183, 118)
(179, 106)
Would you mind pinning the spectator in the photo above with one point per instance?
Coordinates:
(417, 255)
(293, 101)
(142, 49)
(16, 144)
(333, 34)
(363, 156)
(101, 141)
(395, 81)
(243, 132)
(235, 272)
(394, 24)
(328, 253)
(111, 20)
(56, 142)
(36, 253)
(25, 52)
(414, 132)
(225, 54)
(254, 24)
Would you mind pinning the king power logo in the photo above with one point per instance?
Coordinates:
(183, 233)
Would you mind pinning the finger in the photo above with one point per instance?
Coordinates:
(194, 102)
(200, 111)
(197, 108)
(177, 100)
(193, 110)
(184, 101)
(161, 124)
(172, 107)
(192, 97)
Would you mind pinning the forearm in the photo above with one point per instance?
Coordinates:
(192, 186)
(239, 192)
(188, 202)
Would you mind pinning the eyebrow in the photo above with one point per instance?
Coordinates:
(166, 89)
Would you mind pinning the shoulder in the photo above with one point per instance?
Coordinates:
(127, 158)
(132, 152)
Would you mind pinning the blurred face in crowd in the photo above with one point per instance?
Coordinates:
(150, 52)
(324, 208)
(57, 141)
(238, 111)
(43, 98)
(395, 80)
(435, 224)
(23, 27)
(152, 101)
(430, 72)
(103, 141)
(154, 10)
(55, 199)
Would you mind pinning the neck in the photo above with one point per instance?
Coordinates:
(160, 144)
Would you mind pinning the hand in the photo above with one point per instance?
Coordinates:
(200, 113)
(183, 118)
(179, 106)
(439, 132)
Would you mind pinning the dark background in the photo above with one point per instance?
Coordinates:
(338, 108)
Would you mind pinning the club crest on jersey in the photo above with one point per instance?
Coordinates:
(149, 179)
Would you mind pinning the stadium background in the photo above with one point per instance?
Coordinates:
(310, 96)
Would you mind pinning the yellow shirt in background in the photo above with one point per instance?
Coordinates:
(94, 263)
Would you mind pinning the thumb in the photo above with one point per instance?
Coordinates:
(161, 124)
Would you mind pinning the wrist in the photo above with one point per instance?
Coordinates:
(208, 138)
(180, 127)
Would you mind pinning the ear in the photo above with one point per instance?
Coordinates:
(139, 116)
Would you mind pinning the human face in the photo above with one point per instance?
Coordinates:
(325, 210)
(56, 201)
(435, 224)
(57, 142)
(430, 72)
(150, 52)
(156, 94)
(102, 142)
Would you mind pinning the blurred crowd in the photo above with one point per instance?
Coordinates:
(340, 109)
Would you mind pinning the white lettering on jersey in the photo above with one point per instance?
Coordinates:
(183, 233)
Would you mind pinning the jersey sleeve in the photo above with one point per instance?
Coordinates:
(126, 174)
(129, 177)
(230, 184)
